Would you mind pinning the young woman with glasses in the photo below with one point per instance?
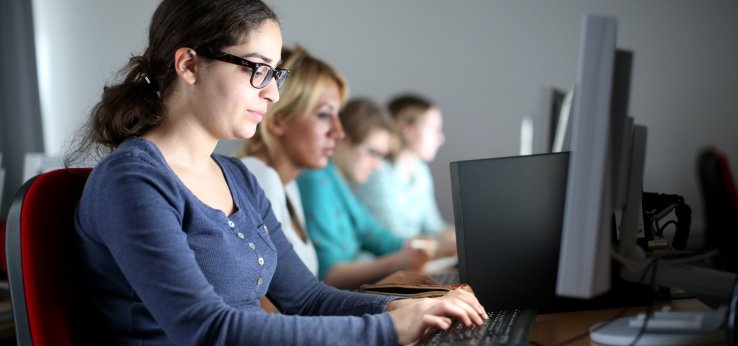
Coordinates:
(178, 244)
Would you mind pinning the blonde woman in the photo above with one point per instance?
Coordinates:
(301, 131)
(342, 229)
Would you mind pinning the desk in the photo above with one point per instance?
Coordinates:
(552, 329)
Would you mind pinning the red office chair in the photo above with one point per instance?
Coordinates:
(721, 207)
(41, 260)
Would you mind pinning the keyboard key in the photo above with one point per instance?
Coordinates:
(504, 327)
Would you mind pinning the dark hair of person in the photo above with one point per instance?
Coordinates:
(134, 105)
(407, 108)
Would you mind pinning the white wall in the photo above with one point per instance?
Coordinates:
(483, 61)
(80, 44)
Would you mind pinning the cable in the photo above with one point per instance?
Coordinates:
(649, 309)
(634, 263)
(656, 215)
(618, 315)
(728, 318)
(695, 258)
(663, 227)
(648, 265)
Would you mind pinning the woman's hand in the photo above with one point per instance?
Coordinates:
(427, 244)
(447, 242)
(415, 254)
(412, 317)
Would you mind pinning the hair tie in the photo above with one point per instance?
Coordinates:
(151, 86)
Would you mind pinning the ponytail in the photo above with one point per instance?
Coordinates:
(128, 109)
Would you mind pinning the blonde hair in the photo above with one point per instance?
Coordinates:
(299, 95)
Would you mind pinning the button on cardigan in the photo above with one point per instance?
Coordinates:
(162, 268)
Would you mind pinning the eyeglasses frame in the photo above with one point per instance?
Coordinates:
(279, 74)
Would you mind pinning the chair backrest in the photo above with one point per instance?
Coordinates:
(720, 200)
(41, 259)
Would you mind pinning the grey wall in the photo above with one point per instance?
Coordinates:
(483, 61)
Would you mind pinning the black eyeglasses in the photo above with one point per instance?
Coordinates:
(371, 152)
(261, 74)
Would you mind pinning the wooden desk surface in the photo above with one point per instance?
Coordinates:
(557, 328)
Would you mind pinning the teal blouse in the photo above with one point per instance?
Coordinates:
(337, 223)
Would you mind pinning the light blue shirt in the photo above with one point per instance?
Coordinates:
(337, 223)
(280, 195)
(405, 206)
(163, 268)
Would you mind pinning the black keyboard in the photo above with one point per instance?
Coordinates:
(504, 327)
(446, 277)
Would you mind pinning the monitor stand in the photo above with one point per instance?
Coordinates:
(664, 328)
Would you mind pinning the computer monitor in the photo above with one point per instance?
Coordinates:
(549, 131)
(546, 120)
(605, 182)
(605, 175)
(561, 140)
(584, 263)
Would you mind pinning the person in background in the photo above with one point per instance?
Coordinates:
(337, 223)
(400, 194)
(298, 132)
(177, 244)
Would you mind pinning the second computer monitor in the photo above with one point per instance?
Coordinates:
(599, 142)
